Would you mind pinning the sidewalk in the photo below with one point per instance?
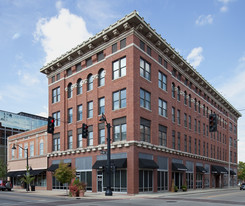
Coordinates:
(101, 195)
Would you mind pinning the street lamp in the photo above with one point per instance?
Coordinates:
(27, 166)
(229, 167)
(108, 191)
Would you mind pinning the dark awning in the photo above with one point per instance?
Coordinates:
(53, 167)
(178, 167)
(218, 170)
(148, 164)
(118, 163)
(232, 172)
(37, 172)
(200, 169)
(16, 173)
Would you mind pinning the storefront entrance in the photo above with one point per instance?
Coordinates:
(100, 181)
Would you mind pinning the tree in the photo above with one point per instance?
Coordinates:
(3, 169)
(27, 178)
(241, 171)
(64, 173)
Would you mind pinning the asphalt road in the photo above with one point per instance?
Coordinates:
(207, 198)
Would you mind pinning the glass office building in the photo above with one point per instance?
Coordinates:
(11, 124)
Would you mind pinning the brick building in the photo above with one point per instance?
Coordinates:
(158, 106)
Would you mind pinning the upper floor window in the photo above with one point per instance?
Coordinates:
(162, 81)
(145, 130)
(165, 64)
(189, 100)
(114, 47)
(159, 59)
(53, 79)
(69, 72)
(90, 141)
(100, 56)
(56, 142)
(89, 61)
(79, 138)
(101, 133)
(79, 112)
(185, 98)
(70, 114)
(178, 93)
(101, 81)
(162, 135)
(173, 90)
(119, 99)
(20, 152)
(119, 68)
(90, 82)
(90, 109)
(78, 67)
(119, 129)
(56, 116)
(41, 148)
(70, 139)
(101, 105)
(123, 43)
(79, 87)
(162, 107)
(142, 45)
(145, 99)
(58, 77)
(148, 50)
(69, 90)
(145, 69)
(56, 95)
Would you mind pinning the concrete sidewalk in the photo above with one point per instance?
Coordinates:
(101, 195)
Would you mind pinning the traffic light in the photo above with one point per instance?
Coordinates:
(212, 123)
(50, 128)
(84, 131)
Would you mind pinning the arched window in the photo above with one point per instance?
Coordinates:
(90, 82)
(189, 100)
(173, 90)
(69, 90)
(101, 81)
(178, 93)
(41, 148)
(79, 86)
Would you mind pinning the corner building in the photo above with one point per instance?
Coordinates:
(158, 106)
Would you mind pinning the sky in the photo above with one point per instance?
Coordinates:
(209, 34)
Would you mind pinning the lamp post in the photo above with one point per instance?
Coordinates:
(27, 166)
(108, 191)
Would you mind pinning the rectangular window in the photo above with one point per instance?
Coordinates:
(162, 107)
(101, 133)
(123, 43)
(100, 56)
(162, 134)
(89, 61)
(90, 136)
(20, 152)
(189, 144)
(53, 79)
(114, 47)
(69, 72)
(145, 69)
(145, 130)
(119, 99)
(178, 116)
(173, 114)
(195, 146)
(79, 138)
(56, 95)
(119, 68)
(90, 109)
(178, 143)
(31, 150)
(78, 67)
(101, 106)
(185, 143)
(189, 122)
(79, 112)
(185, 119)
(41, 148)
(159, 59)
(148, 50)
(56, 142)
(173, 139)
(162, 81)
(119, 129)
(69, 139)
(70, 114)
(58, 77)
(165, 64)
(56, 117)
(142, 45)
(145, 99)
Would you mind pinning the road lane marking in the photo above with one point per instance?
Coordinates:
(220, 195)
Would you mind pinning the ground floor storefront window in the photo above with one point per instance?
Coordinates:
(162, 180)
(177, 177)
(206, 180)
(199, 177)
(145, 180)
(118, 180)
(58, 185)
(86, 177)
(189, 180)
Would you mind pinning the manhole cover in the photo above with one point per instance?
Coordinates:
(171, 201)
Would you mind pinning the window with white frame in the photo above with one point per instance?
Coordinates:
(119, 99)
(119, 129)
(162, 107)
(41, 148)
(31, 149)
(162, 81)
(145, 69)
(119, 68)
(70, 115)
(145, 99)
(101, 105)
(56, 116)
(70, 139)
(90, 109)
(56, 95)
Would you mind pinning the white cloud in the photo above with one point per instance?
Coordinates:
(59, 5)
(61, 33)
(224, 8)
(233, 90)
(203, 20)
(44, 113)
(16, 36)
(195, 57)
(27, 78)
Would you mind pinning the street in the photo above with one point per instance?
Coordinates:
(189, 198)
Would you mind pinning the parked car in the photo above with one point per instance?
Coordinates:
(5, 185)
(242, 187)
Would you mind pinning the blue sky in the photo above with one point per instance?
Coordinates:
(210, 34)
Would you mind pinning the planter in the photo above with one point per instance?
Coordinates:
(81, 193)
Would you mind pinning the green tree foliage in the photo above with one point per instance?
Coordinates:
(241, 171)
(27, 178)
(3, 169)
(64, 173)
